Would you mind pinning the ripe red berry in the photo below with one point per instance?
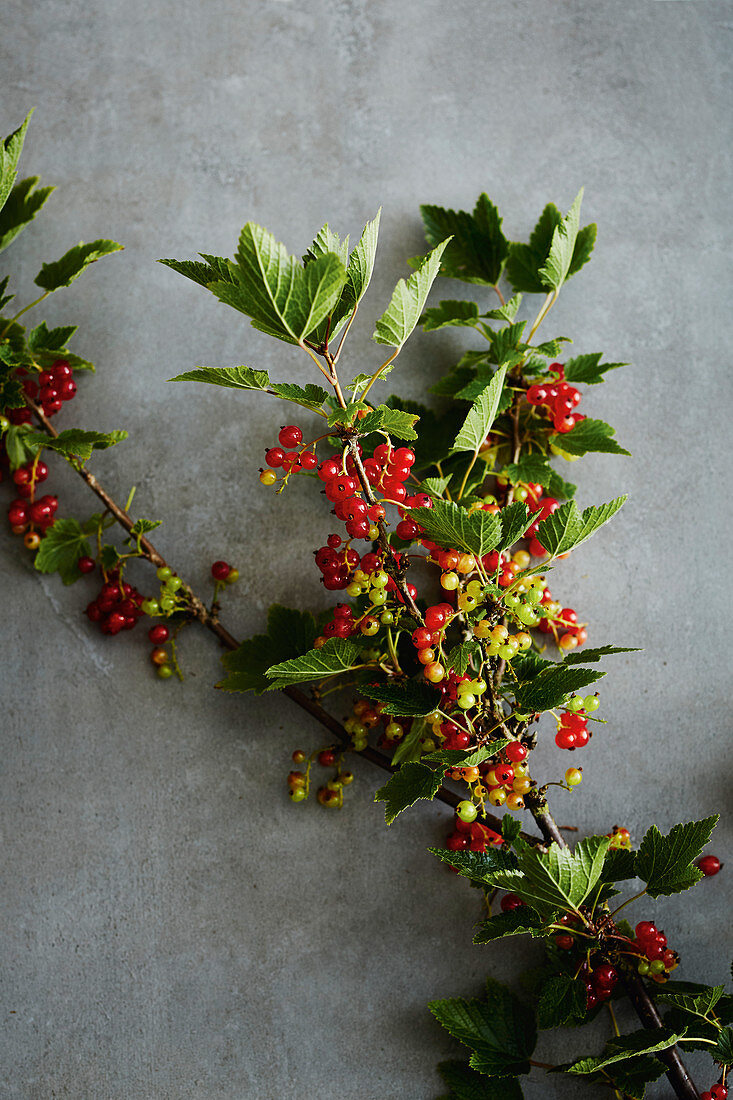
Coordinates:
(564, 941)
(605, 974)
(719, 1092)
(510, 902)
(159, 634)
(328, 469)
(515, 752)
(86, 565)
(646, 930)
(274, 457)
(308, 460)
(327, 758)
(220, 570)
(709, 865)
(290, 436)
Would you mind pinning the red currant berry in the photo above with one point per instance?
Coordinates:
(308, 460)
(510, 902)
(86, 565)
(290, 436)
(605, 975)
(220, 570)
(564, 941)
(327, 758)
(565, 739)
(515, 752)
(719, 1092)
(709, 865)
(646, 930)
(457, 842)
(274, 457)
(159, 634)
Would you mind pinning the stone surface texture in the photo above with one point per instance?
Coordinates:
(173, 928)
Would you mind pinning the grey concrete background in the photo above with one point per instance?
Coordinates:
(172, 927)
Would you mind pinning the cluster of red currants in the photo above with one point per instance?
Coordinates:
(564, 624)
(159, 634)
(717, 1092)
(285, 458)
(49, 389)
(331, 794)
(599, 978)
(27, 516)
(118, 605)
(471, 836)
(572, 731)
(657, 959)
(559, 398)
(388, 470)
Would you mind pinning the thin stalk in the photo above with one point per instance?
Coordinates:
(378, 373)
(25, 309)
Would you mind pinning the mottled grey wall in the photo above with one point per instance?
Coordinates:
(172, 927)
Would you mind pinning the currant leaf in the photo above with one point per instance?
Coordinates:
(589, 436)
(500, 1031)
(536, 469)
(408, 301)
(466, 758)
(589, 369)
(697, 1004)
(479, 866)
(395, 422)
(481, 416)
(63, 272)
(290, 633)
(337, 655)
(558, 879)
(516, 922)
(515, 519)
(61, 547)
(74, 442)
(592, 655)
(568, 528)
(550, 686)
(625, 1047)
(557, 265)
(10, 150)
(412, 699)
(16, 445)
(411, 783)
(23, 203)
(526, 260)
(450, 525)
(478, 247)
(562, 1000)
(466, 1084)
(237, 378)
(450, 313)
(665, 863)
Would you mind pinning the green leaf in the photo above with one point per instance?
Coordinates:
(697, 1004)
(290, 633)
(213, 268)
(466, 1084)
(10, 150)
(407, 302)
(723, 1050)
(62, 272)
(536, 469)
(460, 656)
(40, 338)
(500, 1031)
(412, 699)
(516, 922)
(466, 758)
(395, 422)
(619, 865)
(409, 748)
(515, 519)
(5, 298)
(481, 416)
(625, 1047)
(311, 397)
(665, 863)
(630, 1077)
(526, 260)
(16, 445)
(551, 685)
(589, 436)
(589, 369)
(60, 550)
(327, 241)
(358, 275)
(557, 265)
(337, 655)
(238, 378)
(347, 415)
(74, 442)
(592, 655)
(478, 866)
(435, 486)
(412, 782)
(562, 1000)
(451, 526)
(142, 526)
(568, 528)
(450, 313)
(21, 207)
(279, 296)
(508, 311)
(559, 878)
(478, 247)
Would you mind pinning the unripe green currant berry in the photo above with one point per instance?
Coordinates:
(450, 581)
(233, 576)
(369, 626)
(4, 423)
(163, 573)
(394, 730)
(467, 811)
(574, 704)
(591, 703)
(534, 596)
(379, 579)
(528, 615)
(466, 701)
(164, 671)
(150, 607)
(298, 794)
(386, 618)
(173, 584)
(506, 652)
(512, 601)
(656, 967)
(378, 597)
(573, 776)
(643, 968)
(167, 603)
(268, 477)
